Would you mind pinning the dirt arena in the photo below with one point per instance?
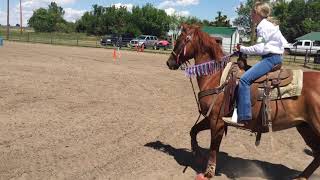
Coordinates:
(74, 113)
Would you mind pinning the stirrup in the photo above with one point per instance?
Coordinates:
(229, 122)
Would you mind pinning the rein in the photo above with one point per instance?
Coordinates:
(184, 49)
(200, 70)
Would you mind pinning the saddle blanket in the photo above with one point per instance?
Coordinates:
(291, 90)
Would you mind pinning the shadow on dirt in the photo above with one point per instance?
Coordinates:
(232, 167)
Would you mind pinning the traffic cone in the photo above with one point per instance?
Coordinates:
(114, 54)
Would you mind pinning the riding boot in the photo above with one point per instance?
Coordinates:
(234, 121)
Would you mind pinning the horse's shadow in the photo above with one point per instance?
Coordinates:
(232, 167)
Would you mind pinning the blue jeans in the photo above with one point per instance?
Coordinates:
(255, 72)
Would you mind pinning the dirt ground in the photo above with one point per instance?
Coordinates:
(74, 113)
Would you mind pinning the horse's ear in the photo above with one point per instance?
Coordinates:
(184, 27)
(197, 26)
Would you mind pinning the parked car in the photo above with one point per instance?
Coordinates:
(303, 46)
(146, 40)
(116, 40)
(163, 44)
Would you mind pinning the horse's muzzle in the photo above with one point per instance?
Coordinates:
(172, 64)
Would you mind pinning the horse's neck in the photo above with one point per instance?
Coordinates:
(210, 81)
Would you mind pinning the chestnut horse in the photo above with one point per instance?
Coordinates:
(302, 112)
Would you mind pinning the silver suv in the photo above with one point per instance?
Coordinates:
(146, 40)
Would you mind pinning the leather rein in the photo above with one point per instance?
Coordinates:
(214, 92)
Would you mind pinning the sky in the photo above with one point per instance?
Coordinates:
(203, 9)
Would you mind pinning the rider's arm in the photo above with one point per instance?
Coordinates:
(255, 49)
(271, 40)
(263, 33)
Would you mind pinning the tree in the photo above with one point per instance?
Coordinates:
(221, 21)
(112, 20)
(41, 21)
(297, 17)
(47, 20)
(244, 21)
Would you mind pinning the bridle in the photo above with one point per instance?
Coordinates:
(184, 49)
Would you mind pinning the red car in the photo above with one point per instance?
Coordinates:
(163, 44)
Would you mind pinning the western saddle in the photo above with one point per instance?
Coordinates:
(276, 78)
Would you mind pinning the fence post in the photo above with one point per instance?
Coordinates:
(305, 58)
(295, 52)
(309, 54)
(51, 38)
(77, 40)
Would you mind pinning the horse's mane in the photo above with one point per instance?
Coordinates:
(207, 44)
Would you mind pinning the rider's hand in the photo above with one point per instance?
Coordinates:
(237, 48)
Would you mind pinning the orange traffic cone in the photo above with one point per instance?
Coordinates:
(114, 54)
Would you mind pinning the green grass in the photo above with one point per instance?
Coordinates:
(72, 39)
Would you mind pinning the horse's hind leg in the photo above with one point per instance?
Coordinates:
(204, 124)
(312, 139)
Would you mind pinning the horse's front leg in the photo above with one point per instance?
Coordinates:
(217, 130)
(204, 124)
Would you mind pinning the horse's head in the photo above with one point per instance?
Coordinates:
(183, 49)
(193, 43)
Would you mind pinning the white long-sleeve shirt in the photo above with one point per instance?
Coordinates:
(272, 40)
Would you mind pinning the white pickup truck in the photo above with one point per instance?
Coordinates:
(303, 47)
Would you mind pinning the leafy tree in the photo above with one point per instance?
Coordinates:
(67, 27)
(86, 24)
(112, 20)
(206, 22)
(154, 21)
(221, 20)
(296, 17)
(244, 19)
(46, 20)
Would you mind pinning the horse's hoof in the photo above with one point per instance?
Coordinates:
(210, 172)
(201, 177)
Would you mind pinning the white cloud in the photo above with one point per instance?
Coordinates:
(72, 15)
(3, 18)
(128, 6)
(173, 3)
(183, 13)
(28, 6)
(168, 6)
(172, 11)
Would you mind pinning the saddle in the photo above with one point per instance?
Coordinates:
(276, 78)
